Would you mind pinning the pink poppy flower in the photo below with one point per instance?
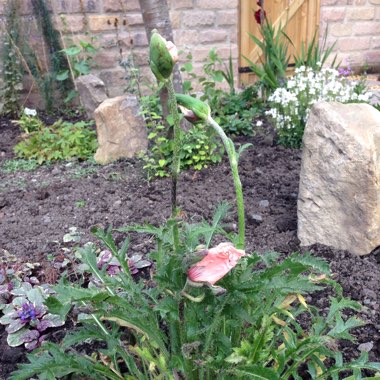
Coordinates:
(172, 49)
(216, 264)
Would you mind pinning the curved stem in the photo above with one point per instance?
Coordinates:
(233, 158)
(176, 159)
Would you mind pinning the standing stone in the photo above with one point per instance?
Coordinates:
(92, 92)
(339, 194)
(120, 128)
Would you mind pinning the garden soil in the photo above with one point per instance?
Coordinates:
(38, 207)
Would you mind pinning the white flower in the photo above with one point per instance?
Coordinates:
(30, 112)
(259, 123)
(291, 84)
(291, 106)
(364, 97)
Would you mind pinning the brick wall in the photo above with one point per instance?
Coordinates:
(117, 29)
(355, 26)
(198, 25)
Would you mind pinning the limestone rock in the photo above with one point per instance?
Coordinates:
(120, 128)
(339, 194)
(114, 80)
(92, 92)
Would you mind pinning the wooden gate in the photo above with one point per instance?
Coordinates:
(300, 18)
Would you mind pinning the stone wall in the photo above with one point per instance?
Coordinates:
(355, 26)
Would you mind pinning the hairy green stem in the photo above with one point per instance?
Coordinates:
(233, 158)
(97, 321)
(176, 159)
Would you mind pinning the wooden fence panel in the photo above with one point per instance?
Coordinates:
(300, 18)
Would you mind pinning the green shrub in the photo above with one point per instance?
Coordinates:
(234, 111)
(61, 141)
(271, 70)
(29, 121)
(81, 58)
(199, 145)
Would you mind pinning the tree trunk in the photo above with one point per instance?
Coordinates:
(156, 16)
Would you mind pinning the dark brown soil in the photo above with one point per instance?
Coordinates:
(37, 208)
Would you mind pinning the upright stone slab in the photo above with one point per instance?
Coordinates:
(120, 129)
(339, 193)
(92, 92)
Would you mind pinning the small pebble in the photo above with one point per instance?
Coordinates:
(366, 347)
(370, 293)
(3, 202)
(46, 219)
(117, 203)
(264, 203)
(255, 218)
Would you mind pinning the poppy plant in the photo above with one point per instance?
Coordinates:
(215, 265)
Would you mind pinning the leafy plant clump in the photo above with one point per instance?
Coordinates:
(238, 112)
(81, 59)
(290, 105)
(249, 326)
(61, 141)
(271, 70)
(199, 146)
(235, 111)
(13, 166)
(29, 122)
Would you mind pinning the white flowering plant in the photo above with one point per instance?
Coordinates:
(29, 121)
(290, 105)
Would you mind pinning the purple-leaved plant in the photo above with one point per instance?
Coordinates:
(24, 314)
(113, 266)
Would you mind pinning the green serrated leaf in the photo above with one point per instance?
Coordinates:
(63, 75)
(82, 67)
(256, 373)
(72, 50)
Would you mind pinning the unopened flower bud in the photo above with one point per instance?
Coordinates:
(163, 55)
(173, 51)
(194, 110)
